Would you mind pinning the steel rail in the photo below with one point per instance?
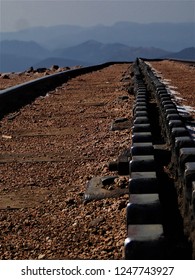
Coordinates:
(13, 98)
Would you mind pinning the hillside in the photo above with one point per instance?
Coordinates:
(15, 63)
(27, 48)
(95, 52)
(18, 55)
(188, 54)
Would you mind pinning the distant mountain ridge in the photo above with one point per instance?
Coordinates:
(186, 54)
(18, 56)
(66, 44)
(26, 48)
(168, 36)
(95, 52)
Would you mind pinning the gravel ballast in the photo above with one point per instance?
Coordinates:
(49, 152)
(53, 148)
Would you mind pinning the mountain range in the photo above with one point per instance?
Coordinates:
(74, 45)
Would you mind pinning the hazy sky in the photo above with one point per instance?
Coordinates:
(16, 15)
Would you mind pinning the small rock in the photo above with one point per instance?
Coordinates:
(121, 120)
(41, 256)
(6, 136)
(5, 76)
(123, 97)
(121, 182)
(54, 67)
(30, 70)
(120, 124)
(131, 90)
(41, 70)
(125, 78)
(26, 222)
(70, 202)
(122, 205)
(96, 222)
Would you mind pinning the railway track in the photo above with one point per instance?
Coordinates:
(17, 96)
(160, 163)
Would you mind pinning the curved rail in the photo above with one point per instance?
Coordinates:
(11, 99)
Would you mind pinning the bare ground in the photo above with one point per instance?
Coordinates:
(50, 150)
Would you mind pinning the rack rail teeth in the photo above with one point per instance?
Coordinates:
(150, 234)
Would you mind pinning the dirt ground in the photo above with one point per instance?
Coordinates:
(181, 79)
(50, 150)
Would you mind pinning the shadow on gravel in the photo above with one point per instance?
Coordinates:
(179, 247)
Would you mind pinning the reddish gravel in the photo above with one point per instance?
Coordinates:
(181, 76)
(49, 151)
